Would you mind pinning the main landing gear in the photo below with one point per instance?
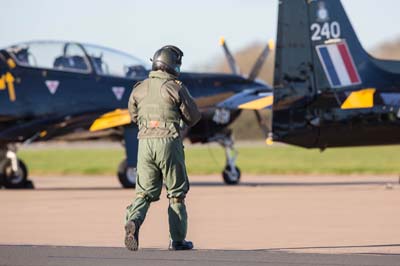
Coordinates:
(13, 171)
(126, 175)
(127, 168)
(231, 173)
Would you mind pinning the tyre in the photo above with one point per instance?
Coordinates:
(127, 175)
(11, 179)
(231, 177)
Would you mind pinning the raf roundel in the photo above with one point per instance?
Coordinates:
(338, 64)
(322, 13)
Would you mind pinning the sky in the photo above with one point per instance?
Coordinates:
(141, 27)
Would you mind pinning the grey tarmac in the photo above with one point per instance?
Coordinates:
(98, 256)
(271, 220)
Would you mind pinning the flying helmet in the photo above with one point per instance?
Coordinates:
(169, 59)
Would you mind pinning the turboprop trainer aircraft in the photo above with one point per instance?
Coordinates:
(65, 90)
(328, 91)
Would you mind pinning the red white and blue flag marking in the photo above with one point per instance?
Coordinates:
(338, 64)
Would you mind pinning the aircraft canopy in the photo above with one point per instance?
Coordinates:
(76, 57)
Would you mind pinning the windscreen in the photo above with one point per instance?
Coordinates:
(114, 63)
(51, 55)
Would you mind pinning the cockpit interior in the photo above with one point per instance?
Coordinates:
(76, 57)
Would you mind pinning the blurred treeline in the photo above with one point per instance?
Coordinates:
(245, 127)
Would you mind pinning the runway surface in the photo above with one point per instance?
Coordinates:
(60, 256)
(272, 220)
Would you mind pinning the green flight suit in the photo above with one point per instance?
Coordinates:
(158, 105)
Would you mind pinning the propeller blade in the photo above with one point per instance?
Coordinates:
(231, 60)
(261, 60)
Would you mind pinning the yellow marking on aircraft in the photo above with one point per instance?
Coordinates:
(221, 41)
(112, 119)
(258, 104)
(10, 85)
(269, 141)
(7, 80)
(43, 134)
(2, 82)
(271, 44)
(360, 99)
(11, 63)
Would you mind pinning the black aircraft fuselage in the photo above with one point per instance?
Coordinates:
(89, 93)
(328, 91)
(54, 90)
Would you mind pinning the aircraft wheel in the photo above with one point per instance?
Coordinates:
(127, 175)
(231, 177)
(11, 179)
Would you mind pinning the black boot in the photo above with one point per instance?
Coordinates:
(180, 245)
(132, 235)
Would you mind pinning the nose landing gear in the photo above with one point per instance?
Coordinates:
(231, 173)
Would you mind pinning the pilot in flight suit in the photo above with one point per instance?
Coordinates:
(158, 105)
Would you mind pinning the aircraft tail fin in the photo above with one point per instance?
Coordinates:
(339, 53)
(316, 41)
(317, 51)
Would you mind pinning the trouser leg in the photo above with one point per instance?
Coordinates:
(138, 210)
(148, 183)
(177, 184)
(177, 217)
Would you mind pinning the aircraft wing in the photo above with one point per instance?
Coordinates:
(112, 119)
(251, 99)
(47, 128)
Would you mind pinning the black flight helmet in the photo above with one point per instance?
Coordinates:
(169, 59)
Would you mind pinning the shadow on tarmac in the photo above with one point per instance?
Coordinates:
(340, 247)
(66, 256)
